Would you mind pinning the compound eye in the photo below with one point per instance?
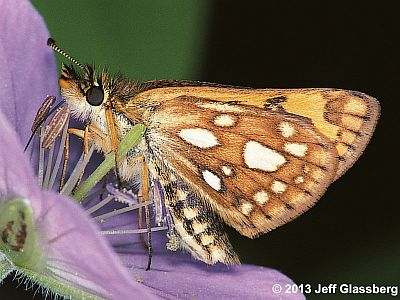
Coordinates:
(95, 95)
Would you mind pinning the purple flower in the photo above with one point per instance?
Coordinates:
(62, 248)
(178, 275)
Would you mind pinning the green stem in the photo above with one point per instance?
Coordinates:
(130, 140)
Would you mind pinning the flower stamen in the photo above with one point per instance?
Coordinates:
(57, 163)
(48, 168)
(133, 231)
(117, 212)
(76, 173)
(100, 204)
(41, 158)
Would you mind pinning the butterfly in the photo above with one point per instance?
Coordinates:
(253, 159)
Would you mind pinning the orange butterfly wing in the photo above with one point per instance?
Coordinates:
(346, 118)
(257, 169)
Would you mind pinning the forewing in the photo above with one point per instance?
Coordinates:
(257, 169)
(346, 118)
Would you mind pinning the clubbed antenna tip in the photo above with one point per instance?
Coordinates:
(52, 44)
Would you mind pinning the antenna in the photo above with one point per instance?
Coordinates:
(52, 44)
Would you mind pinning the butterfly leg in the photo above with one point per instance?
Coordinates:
(85, 151)
(114, 140)
(145, 194)
(89, 133)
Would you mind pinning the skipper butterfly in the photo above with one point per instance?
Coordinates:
(251, 158)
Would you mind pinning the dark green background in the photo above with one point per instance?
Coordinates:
(352, 234)
(163, 39)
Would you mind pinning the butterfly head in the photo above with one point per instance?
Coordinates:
(83, 89)
(86, 92)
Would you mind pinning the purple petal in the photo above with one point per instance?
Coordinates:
(28, 73)
(74, 250)
(16, 175)
(178, 275)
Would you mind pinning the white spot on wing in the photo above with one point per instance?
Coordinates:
(199, 137)
(213, 180)
(199, 227)
(296, 149)
(189, 240)
(190, 213)
(299, 179)
(246, 208)
(286, 129)
(224, 120)
(261, 197)
(217, 254)
(206, 239)
(227, 170)
(181, 195)
(278, 187)
(258, 156)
